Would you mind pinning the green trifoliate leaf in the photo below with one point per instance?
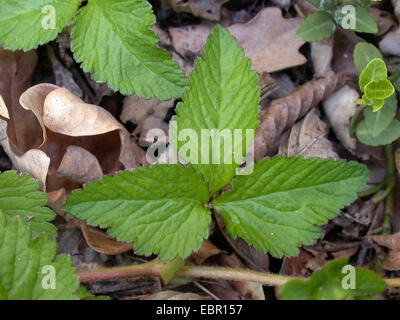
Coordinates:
(363, 53)
(336, 281)
(378, 121)
(390, 134)
(25, 24)
(29, 269)
(316, 27)
(379, 89)
(114, 42)
(277, 207)
(375, 70)
(160, 209)
(222, 99)
(19, 196)
(363, 21)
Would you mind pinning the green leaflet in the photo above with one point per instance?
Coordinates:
(160, 209)
(377, 122)
(379, 89)
(316, 27)
(375, 70)
(364, 22)
(25, 24)
(277, 207)
(363, 53)
(19, 196)
(222, 95)
(26, 265)
(326, 284)
(391, 133)
(113, 41)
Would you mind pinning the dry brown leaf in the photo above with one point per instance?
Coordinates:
(247, 289)
(79, 165)
(392, 242)
(34, 161)
(308, 139)
(174, 295)
(67, 120)
(269, 40)
(276, 48)
(339, 108)
(206, 9)
(282, 113)
(206, 251)
(16, 70)
(254, 258)
(101, 242)
(190, 40)
(136, 109)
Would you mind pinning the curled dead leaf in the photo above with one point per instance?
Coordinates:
(308, 139)
(283, 113)
(102, 242)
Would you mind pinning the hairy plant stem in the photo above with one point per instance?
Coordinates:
(156, 268)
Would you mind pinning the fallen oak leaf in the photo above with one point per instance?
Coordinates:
(276, 48)
(283, 113)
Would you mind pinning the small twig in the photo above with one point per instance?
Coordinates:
(201, 287)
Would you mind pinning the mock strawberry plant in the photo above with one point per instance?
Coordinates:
(167, 209)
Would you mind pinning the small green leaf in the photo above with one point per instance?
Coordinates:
(363, 53)
(25, 24)
(379, 89)
(375, 70)
(327, 284)
(223, 96)
(113, 41)
(390, 134)
(378, 121)
(276, 208)
(364, 22)
(27, 266)
(316, 27)
(20, 196)
(161, 209)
